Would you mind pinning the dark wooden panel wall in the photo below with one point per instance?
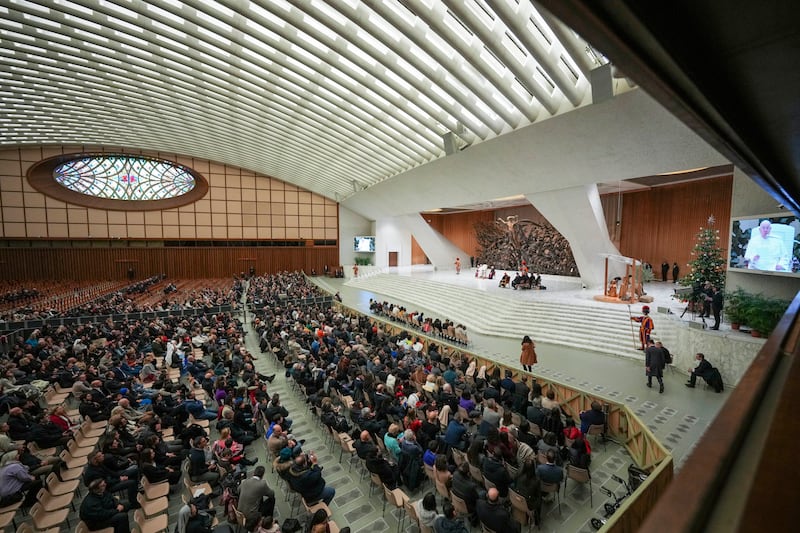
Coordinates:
(662, 223)
(458, 229)
(113, 263)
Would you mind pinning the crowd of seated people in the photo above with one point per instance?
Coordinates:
(395, 397)
(445, 329)
(402, 401)
(526, 280)
(124, 301)
(19, 294)
(273, 290)
(141, 380)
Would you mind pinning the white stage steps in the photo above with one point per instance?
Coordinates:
(578, 325)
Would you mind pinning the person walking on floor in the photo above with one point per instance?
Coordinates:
(458, 265)
(654, 365)
(528, 356)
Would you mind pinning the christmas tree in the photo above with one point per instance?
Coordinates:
(708, 263)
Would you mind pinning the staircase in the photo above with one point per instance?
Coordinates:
(578, 325)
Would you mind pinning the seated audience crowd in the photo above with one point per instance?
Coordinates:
(153, 384)
(445, 329)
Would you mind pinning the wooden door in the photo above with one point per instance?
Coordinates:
(392, 259)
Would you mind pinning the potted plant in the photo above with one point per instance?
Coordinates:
(764, 313)
(736, 305)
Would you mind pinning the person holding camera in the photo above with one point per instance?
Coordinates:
(305, 477)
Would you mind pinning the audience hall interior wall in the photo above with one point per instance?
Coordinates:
(113, 263)
(662, 222)
(239, 205)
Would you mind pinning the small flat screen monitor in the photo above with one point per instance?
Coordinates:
(364, 244)
(765, 244)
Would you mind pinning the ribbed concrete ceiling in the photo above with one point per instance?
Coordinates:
(333, 96)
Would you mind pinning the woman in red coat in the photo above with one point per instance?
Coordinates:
(528, 356)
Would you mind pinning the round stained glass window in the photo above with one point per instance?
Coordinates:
(117, 181)
(124, 178)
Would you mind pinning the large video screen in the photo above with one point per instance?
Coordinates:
(364, 244)
(766, 244)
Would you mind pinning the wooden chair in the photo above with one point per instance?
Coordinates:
(241, 520)
(375, 481)
(459, 504)
(488, 484)
(430, 474)
(476, 473)
(44, 520)
(553, 488)
(76, 450)
(311, 509)
(581, 475)
(441, 488)
(7, 516)
(519, 508)
(152, 508)
(398, 499)
(458, 456)
(411, 511)
(598, 430)
(154, 525)
(154, 491)
(535, 430)
(83, 528)
(58, 488)
(50, 502)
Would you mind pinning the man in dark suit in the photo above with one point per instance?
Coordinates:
(256, 498)
(654, 364)
(703, 370)
(465, 487)
(364, 445)
(716, 305)
(493, 515)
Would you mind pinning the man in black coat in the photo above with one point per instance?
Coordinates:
(494, 516)
(703, 370)
(116, 480)
(465, 487)
(495, 471)
(716, 306)
(654, 364)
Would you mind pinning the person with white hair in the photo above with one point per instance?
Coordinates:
(765, 251)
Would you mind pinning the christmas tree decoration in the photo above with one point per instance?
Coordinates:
(708, 263)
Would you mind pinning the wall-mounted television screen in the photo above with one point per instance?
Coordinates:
(766, 243)
(364, 244)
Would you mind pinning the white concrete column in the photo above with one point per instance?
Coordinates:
(576, 212)
(394, 235)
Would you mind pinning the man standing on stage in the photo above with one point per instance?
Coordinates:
(664, 270)
(645, 326)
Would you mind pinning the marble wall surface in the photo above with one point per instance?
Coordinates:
(728, 350)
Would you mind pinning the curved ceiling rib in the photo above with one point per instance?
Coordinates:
(330, 96)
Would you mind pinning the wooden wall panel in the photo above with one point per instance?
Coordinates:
(418, 256)
(113, 263)
(458, 228)
(662, 223)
